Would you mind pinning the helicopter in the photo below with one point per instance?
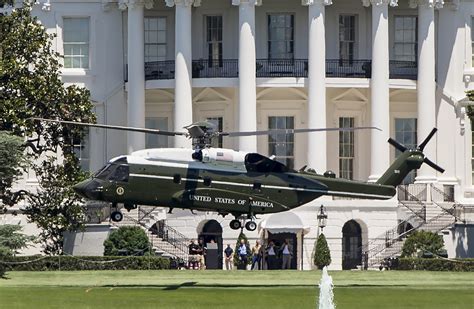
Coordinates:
(227, 181)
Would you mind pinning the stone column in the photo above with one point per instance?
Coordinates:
(136, 70)
(379, 88)
(317, 142)
(247, 73)
(426, 85)
(183, 96)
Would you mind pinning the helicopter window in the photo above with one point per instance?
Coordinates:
(207, 181)
(121, 174)
(255, 162)
(177, 178)
(104, 172)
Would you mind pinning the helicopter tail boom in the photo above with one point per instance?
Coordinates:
(408, 160)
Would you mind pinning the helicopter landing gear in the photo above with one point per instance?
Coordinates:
(238, 224)
(235, 224)
(251, 226)
(116, 216)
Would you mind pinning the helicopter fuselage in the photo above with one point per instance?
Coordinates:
(223, 180)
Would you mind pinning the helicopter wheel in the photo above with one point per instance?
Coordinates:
(251, 226)
(116, 216)
(235, 224)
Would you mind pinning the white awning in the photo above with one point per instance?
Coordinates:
(284, 222)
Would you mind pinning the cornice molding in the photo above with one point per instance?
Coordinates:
(313, 2)
(171, 3)
(367, 3)
(251, 2)
(124, 4)
(437, 4)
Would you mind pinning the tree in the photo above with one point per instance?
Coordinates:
(12, 161)
(322, 255)
(11, 240)
(127, 240)
(55, 208)
(237, 261)
(422, 241)
(31, 86)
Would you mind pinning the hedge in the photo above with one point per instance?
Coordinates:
(53, 263)
(436, 264)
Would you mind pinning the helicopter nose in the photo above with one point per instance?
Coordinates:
(88, 189)
(81, 187)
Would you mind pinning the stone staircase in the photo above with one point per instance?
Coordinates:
(151, 220)
(433, 214)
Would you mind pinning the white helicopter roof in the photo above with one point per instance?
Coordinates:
(218, 158)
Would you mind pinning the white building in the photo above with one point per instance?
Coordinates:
(403, 66)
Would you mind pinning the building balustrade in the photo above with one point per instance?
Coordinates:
(274, 68)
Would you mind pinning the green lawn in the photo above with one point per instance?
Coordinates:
(237, 289)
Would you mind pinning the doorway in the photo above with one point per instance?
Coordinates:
(351, 245)
(212, 231)
(279, 240)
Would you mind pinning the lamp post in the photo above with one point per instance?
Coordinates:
(322, 218)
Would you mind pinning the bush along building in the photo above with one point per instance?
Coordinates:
(401, 65)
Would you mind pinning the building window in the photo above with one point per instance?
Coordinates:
(472, 41)
(155, 39)
(217, 122)
(214, 40)
(472, 150)
(82, 150)
(406, 38)
(282, 145)
(405, 133)
(155, 140)
(347, 37)
(76, 43)
(346, 148)
(281, 36)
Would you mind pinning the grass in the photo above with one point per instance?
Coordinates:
(237, 289)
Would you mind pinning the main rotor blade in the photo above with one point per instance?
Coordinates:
(293, 131)
(112, 127)
(434, 165)
(427, 139)
(397, 145)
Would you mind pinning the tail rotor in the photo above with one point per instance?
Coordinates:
(419, 148)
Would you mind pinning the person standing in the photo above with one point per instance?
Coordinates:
(256, 255)
(201, 254)
(229, 259)
(286, 252)
(271, 255)
(242, 252)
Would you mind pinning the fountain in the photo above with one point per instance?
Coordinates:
(326, 295)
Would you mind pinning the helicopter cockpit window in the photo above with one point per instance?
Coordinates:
(104, 172)
(255, 162)
(121, 173)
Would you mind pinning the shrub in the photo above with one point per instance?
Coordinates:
(53, 263)
(322, 255)
(127, 240)
(436, 264)
(422, 241)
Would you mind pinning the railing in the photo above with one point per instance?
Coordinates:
(282, 67)
(159, 70)
(228, 68)
(269, 68)
(412, 192)
(403, 69)
(172, 236)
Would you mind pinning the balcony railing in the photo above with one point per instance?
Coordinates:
(269, 68)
